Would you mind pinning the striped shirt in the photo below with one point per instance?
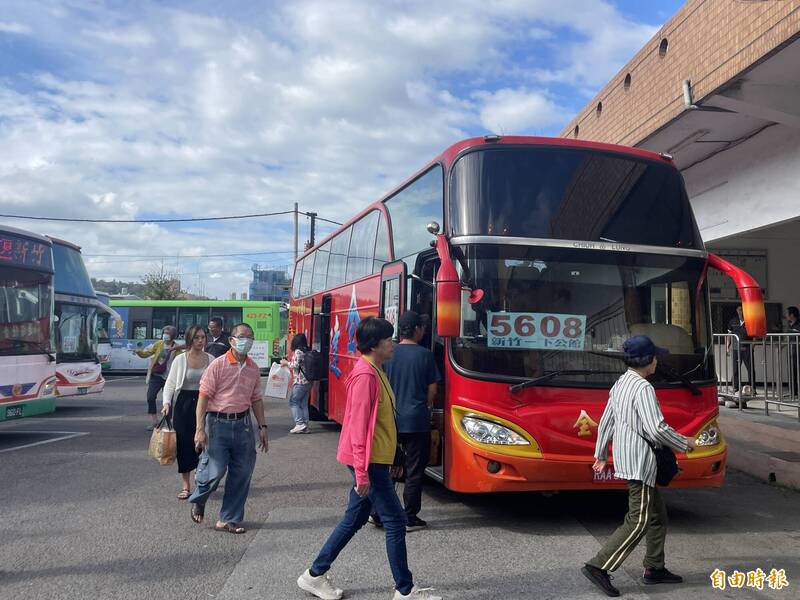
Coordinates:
(632, 412)
(231, 386)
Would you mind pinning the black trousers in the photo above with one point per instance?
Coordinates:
(155, 385)
(184, 420)
(418, 448)
(744, 358)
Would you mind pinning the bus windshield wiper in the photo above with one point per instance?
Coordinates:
(554, 374)
(673, 375)
(40, 347)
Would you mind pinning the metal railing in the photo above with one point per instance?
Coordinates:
(782, 353)
(764, 369)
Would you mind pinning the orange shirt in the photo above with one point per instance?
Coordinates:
(230, 386)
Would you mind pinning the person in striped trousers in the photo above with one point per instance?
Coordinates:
(631, 415)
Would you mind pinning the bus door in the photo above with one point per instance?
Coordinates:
(393, 288)
(423, 301)
(321, 342)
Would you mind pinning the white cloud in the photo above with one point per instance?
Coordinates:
(128, 36)
(167, 112)
(515, 111)
(12, 27)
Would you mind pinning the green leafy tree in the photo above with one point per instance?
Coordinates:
(161, 284)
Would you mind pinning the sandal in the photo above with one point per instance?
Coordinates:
(198, 512)
(184, 494)
(230, 528)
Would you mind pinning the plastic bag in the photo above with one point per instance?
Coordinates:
(278, 381)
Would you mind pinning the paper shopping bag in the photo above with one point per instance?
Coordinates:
(163, 445)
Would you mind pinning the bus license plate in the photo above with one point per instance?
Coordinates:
(13, 412)
(82, 391)
(606, 476)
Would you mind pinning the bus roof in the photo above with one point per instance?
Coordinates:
(64, 243)
(452, 152)
(195, 303)
(24, 233)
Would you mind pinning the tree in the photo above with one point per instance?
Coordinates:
(160, 284)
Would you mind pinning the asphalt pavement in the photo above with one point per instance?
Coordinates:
(84, 513)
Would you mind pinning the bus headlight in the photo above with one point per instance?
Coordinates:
(486, 432)
(49, 388)
(709, 436)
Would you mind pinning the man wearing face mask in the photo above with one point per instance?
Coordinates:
(229, 388)
(159, 353)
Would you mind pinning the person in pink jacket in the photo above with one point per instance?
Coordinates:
(367, 446)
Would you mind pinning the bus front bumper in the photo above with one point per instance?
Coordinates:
(80, 389)
(481, 471)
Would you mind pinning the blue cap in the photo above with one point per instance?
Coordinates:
(641, 346)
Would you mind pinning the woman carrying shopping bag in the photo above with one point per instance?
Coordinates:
(301, 387)
(180, 398)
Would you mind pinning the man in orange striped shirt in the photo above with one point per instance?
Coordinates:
(229, 389)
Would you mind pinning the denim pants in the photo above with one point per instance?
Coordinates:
(387, 504)
(298, 402)
(232, 448)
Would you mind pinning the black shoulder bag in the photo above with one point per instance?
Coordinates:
(666, 463)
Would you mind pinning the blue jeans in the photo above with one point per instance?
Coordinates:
(232, 448)
(387, 505)
(299, 403)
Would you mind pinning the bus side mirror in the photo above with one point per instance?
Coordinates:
(755, 317)
(448, 292)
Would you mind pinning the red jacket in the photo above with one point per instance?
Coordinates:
(360, 415)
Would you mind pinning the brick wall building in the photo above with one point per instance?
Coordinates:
(708, 42)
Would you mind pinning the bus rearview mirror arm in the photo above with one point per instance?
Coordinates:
(755, 319)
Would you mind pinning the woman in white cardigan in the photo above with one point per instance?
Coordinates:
(180, 397)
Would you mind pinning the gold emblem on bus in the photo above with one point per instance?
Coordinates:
(584, 424)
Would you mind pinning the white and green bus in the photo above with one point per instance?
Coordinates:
(140, 323)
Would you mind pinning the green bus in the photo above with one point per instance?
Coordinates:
(140, 323)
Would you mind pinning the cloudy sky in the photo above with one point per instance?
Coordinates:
(137, 110)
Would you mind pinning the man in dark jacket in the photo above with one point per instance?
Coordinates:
(737, 327)
(217, 338)
(413, 374)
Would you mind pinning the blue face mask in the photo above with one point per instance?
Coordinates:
(242, 345)
(166, 337)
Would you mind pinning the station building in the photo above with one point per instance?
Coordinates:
(718, 88)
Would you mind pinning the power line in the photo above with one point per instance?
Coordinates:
(186, 256)
(185, 220)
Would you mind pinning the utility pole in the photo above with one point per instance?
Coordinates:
(295, 232)
(312, 230)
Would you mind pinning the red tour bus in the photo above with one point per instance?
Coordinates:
(535, 259)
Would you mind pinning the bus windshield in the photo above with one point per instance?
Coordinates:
(26, 300)
(76, 331)
(570, 194)
(554, 309)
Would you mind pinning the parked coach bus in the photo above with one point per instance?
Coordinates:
(27, 356)
(76, 308)
(140, 322)
(107, 320)
(535, 259)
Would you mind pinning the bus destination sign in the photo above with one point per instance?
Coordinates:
(23, 252)
(536, 331)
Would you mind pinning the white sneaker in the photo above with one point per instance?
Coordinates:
(297, 429)
(321, 586)
(417, 594)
